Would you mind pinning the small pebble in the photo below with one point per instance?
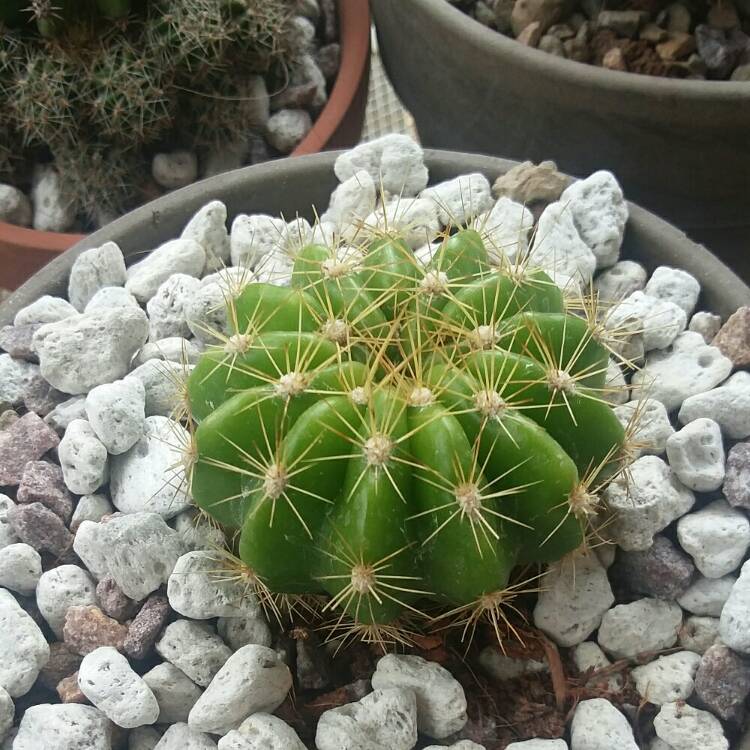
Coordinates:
(68, 690)
(736, 487)
(639, 627)
(597, 724)
(164, 383)
(194, 648)
(674, 285)
(667, 679)
(729, 405)
(660, 321)
(53, 210)
(143, 738)
(505, 230)
(175, 169)
(90, 508)
(83, 458)
(63, 414)
(699, 633)
(707, 596)
(111, 296)
(723, 682)
(501, 667)
(167, 308)
(15, 208)
(93, 270)
(182, 737)
(175, 692)
(45, 309)
(707, 324)
(208, 227)
(696, 455)
(241, 631)
(7, 535)
(461, 199)
(588, 656)
(20, 568)
(42, 482)
(63, 726)
(59, 589)
(262, 731)
(251, 238)
(62, 663)
(113, 602)
(40, 528)
(27, 439)
(7, 710)
(16, 379)
(172, 349)
(87, 628)
(734, 625)
(146, 626)
(197, 531)
(17, 341)
(286, 128)
(686, 728)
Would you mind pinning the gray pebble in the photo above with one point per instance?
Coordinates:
(116, 413)
(20, 568)
(93, 270)
(83, 458)
(194, 648)
(61, 588)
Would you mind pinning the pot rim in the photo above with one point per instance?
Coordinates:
(354, 37)
(493, 43)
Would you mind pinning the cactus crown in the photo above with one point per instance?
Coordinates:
(394, 436)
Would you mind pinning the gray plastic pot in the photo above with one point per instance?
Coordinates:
(679, 148)
(292, 186)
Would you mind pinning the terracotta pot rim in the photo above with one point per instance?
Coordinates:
(354, 37)
(491, 42)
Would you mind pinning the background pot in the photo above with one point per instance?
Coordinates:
(24, 251)
(292, 186)
(680, 148)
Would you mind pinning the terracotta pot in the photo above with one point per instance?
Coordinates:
(24, 251)
(292, 186)
(679, 147)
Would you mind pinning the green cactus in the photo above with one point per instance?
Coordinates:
(388, 434)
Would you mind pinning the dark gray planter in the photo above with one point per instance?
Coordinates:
(680, 148)
(292, 186)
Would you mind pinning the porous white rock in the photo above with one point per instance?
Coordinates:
(93, 270)
(116, 413)
(689, 367)
(63, 414)
(705, 323)
(241, 631)
(171, 349)
(59, 589)
(589, 656)
(20, 568)
(208, 227)
(199, 588)
(45, 309)
(7, 535)
(382, 720)
(699, 633)
(501, 667)
(394, 161)
(675, 285)
(15, 208)
(575, 593)
(90, 508)
(63, 726)
(528, 745)
(111, 296)
(167, 308)
(667, 679)
(558, 247)
(648, 422)
(252, 679)
(286, 128)
(7, 710)
(688, 728)
(707, 596)
(175, 256)
(505, 230)
(262, 731)
(734, 622)
(138, 550)
(275, 268)
(620, 281)
(175, 692)
(24, 648)
(597, 724)
(174, 169)
(441, 702)
(641, 626)
(696, 455)
(16, 377)
(80, 352)
(83, 458)
(194, 648)
(296, 235)
(164, 384)
(644, 502)
(196, 532)
(600, 213)
(181, 737)
(729, 405)
(151, 475)
(53, 210)
(253, 237)
(352, 202)
(106, 678)
(206, 313)
(717, 537)
(659, 321)
(616, 389)
(460, 199)
(414, 219)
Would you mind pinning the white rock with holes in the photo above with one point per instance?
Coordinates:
(208, 227)
(206, 312)
(394, 161)
(116, 413)
(667, 679)
(262, 731)
(111, 296)
(171, 349)
(16, 377)
(689, 367)
(696, 455)
(93, 270)
(63, 726)
(275, 268)
(600, 213)
(90, 508)
(241, 631)
(675, 285)
(505, 230)
(59, 589)
(138, 550)
(686, 728)
(639, 627)
(616, 389)
(461, 199)
(20, 568)
(164, 385)
(194, 648)
(167, 308)
(415, 219)
(253, 237)
(175, 256)
(83, 458)
(717, 537)
(196, 532)
(729, 405)
(296, 235)
(441, 703)
(707, 596)
(53, 209)
(648, 423)
(698, 634)
(597, 724)
(181, 737)
(175, 692)
(46, 309)
(351, 202)
(575, 593)
(644, 502)
(106, 678)
(199, 588)
(382, 720)
(620, 281)
(705, 323)
(659, 321)
(252, 679)
(151, 475)
(734, 623)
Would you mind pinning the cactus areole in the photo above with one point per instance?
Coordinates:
(399, 438)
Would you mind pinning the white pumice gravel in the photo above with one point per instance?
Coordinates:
(116, 413)
(163, 382)
(94, 270)
(707, 596)
(717, 537)
(575, 594)
(668, 679)
(253, 237)
(194, 648)
(589, 656)
(648, 421)
(59, 589)
(181, 737)
(441, 702)
(208, 227)
(7, 535)
(461, 199)
(16, 376)
(642, 626)
(416, 219)
(659, 321)
(83, 458)
(20, 568)
(63, 726)
(252, 679)
(143, 738)
(262, 731)
(696, 455)
(172, 349)
(382, 720)
(501, 667)
(597, 724)
(729, 405)
(63, 414)
(620, 281)
(175, 692)
(686, 728)
(167, 308)
(111, 296)
(241, 631)
(674, 285)
(505, 230)
(705, 323)
(47, 309)
(90, 508)
(352, 202)
(699, 633)
(734, 623)
(150, 476)
(196, 532)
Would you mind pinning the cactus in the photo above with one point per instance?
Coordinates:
(388, 434)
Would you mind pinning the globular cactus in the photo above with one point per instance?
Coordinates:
(395, 436)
